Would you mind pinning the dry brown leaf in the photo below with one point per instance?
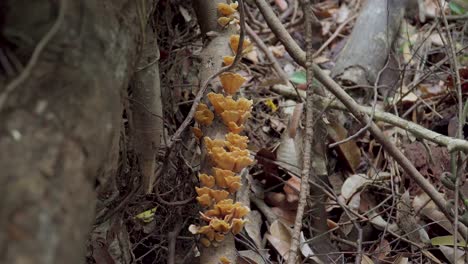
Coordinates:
(280, 237)
(287, 216)
(349, 151)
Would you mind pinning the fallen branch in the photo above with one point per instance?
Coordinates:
(452, 144)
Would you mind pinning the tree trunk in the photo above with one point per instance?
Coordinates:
(58, 125)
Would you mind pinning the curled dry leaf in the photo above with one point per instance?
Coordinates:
(352, 185)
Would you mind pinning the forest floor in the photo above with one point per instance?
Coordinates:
(374, 208)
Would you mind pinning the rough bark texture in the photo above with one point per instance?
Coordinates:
(211, 61)
(58, 126)
(367, 48)
(147, 111)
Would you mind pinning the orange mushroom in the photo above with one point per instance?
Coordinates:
(204, 200)
(234, 128)
(207, 180)
(240, 211)
(219, 237)
(226, 10)
(220, 176)
(219, 195)
(237, 140)
(234, 43)
(224, 260)
(223, 21)
(228, 60)
(197, 132)
(220, 226)
(208, 231)
(233, 183)
(203, 115)
(231, 82)
(205, 242)
(237, 225)
(202, 191)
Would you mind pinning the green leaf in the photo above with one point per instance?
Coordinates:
(456, 9)
(298, 77)
(147, 216)
(446, 241)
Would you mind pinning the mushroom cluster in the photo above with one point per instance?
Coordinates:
(229, 156)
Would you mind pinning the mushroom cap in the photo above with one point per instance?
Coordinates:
(226, 10)
(231, 82)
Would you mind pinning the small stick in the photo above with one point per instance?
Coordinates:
(308, 139)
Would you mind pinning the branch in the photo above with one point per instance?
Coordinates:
(308, 138)
(452, 144)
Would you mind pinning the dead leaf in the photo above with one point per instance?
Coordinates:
(366, 260)
(252, 257)
(252, 227)
(287, 216)
(448, 253)
(431, 211)
(349, 151)
(306, 250)
(280, 237)
(352, 185)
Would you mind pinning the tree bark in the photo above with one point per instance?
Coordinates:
(367, 48)
(147, 110)
(58, 126)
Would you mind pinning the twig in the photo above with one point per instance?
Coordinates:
(35, 56)
(308, 138)
(299, 56)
